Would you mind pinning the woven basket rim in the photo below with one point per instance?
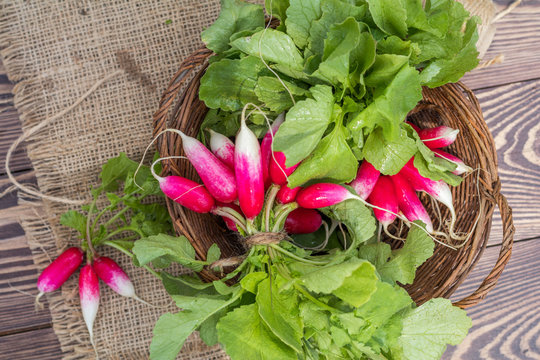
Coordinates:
(181, 108)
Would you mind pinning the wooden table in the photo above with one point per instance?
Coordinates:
(506, 324)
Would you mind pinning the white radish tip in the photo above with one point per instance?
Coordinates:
(37, 303)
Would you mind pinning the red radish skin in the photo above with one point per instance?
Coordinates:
(321, 195)
(286, 195)
(113, 275)
(223, 148)
(266, 148)
(462, 168)
(383, 196)
(216, 176)
(409, 203)
(279, 173)
(89, 296)
(187, 193)
(438, 137)
(54, 275)
(248, 172)
(303, 221)
(365, 180)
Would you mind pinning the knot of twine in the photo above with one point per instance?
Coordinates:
(263, 238)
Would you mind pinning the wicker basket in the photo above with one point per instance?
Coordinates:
(453, 105)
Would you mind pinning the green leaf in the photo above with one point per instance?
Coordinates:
(244, 335)
(172, 330)
(114, 170)
(213, 253)
(333, 12)
(452, 68)
(277, 9)
(252, 280)
(416, 16)
(176, 249)
(186, 285)
(273, 46)
(75, 220)
(223, 122)
(438, 169)
(429, 328)
(388, 157)
(300, 16)
(356, 216)
(402, 266)
(305, 125)
(228, 84)
(235, 16)
(331, 161)
(384, 69)
(280, 314)
(358, 288)
(390, 16)
(271, 92)
(390, 106)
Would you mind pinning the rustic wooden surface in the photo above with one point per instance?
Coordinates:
(506, 325)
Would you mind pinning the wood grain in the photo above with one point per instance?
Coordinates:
(39, 344)
(512, 113)
(518, 38)
(506, 325)
(10, 131)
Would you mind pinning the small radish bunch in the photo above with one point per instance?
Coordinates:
(97, 267)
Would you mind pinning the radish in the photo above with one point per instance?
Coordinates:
(113, 275)
(287, 195)
(321, 195)
(216, 176)
(278, 171)
(438, 137)
(222, 147)
(248, 171)
(409, 203)
(462, 168)
(303, 221)
(266, 148)
(384, 196)
(54, 275)
(365, 180)
(187, 193)
(89, 295)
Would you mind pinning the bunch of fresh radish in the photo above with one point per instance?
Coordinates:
(246, 183)
(101, 267)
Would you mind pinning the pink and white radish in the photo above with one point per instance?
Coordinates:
(303, 221)
(187, 193)
(89, 296)
(383, 196)
(54, 275)
(438, 137)
(266, 148)
(279, 173)
(222, 147)
(216, 176)
(365, 180)
(409, 203)
(116, 278)
(461, 168)
(248, 171)
(287, 195)
(321, 195)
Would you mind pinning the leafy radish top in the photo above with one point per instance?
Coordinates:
(346, 72)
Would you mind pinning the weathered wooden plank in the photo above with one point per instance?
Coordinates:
(39, 344)
(512, 113)
(10, 130)
(506, 325)
(518, 38)
(18, 274)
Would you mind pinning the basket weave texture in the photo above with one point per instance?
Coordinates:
(453, 105)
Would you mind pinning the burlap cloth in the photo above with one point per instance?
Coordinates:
(55, 51)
